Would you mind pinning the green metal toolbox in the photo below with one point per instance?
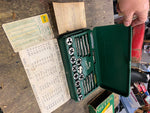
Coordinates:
(98, 57)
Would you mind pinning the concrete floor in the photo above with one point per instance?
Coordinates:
(16, 95)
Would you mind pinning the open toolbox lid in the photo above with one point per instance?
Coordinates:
(113, 57)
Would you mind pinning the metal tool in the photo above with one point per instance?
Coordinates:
(78, 90)
(85, 87)
(74, 68)
(78, 62)
(85, 50)
(77, 83)
(79, 46)
(71, 51)
(80, 97)
(72, 60)
(87, 43)
(93, 56)
(81, 77)
(87, 84)
(92, 80)
(89, 79)
(82, 47)
(69, 41)
(95, 82)
(80, 69)
(75, 76)
(92, 40)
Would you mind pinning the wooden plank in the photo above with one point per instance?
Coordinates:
(69, 16)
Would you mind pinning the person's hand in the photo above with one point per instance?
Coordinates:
(130, 8)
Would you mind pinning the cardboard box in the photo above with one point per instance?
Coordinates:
(102, 103)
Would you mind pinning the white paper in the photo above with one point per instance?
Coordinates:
(44, 68)
(28, 32)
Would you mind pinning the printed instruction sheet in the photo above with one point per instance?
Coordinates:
(44, 68)
(28, 32)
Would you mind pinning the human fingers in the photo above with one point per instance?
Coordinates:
(118, 9)
(127, 18)
(141, 18)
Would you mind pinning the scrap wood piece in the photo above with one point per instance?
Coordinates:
(69, 16)
(1, 86)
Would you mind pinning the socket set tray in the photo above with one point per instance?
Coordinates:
(87, 64)
(78, 52)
